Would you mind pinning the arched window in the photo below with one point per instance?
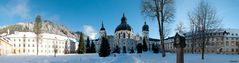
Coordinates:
(128, 35)
(119, 36)
(123, 35)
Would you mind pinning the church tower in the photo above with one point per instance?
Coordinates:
(145, 30)
(102, 31)
(145, 33)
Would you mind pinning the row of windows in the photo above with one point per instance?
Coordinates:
(223, 34)
(33, 45)
(23, 40)
(232, 38)
(219, 34)
(60, 42)
(124, 35)
(233, 34)
(34, 51)
(232, 43)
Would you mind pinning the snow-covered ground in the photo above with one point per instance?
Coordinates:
(120, 58)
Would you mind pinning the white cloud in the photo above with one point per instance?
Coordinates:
(15, 8)
(90, 31)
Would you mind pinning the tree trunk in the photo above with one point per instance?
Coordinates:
(161, 31)
(160, 23)
(37, 42)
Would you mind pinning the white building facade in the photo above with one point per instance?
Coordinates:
(124, 37)
(225, 41)
(24, 43)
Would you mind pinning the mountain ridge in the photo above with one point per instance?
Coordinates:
(47, 27)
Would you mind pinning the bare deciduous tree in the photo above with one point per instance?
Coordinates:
(203, 21)
(180, 27)
(163, 11)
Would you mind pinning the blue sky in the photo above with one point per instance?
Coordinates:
(83, 15)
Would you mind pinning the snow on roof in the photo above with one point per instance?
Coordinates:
(7, 40)
(43, 35)
(22, 34)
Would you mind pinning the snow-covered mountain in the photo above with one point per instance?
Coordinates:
(47, 27)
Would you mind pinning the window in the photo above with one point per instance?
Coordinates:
(119, 36)
(123, 35)
(227, 43)
(19, 40)
(232, 43)
(128, 35)
(237, 43)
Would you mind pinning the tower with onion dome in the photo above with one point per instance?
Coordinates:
(124, 35)
(145, 34)
(102, 30)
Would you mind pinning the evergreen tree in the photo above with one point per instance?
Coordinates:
(81, 46)
(145, 47)
(104, 48)
(155, 48)
(92, 48)
(132, 50)
(117, 49)
(139, 48)
(88, 45)
(124, 49)
(37, 29)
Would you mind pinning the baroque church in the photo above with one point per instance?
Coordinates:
(124, 36)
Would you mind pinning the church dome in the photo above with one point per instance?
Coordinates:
(123, 25)
(145, 27)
